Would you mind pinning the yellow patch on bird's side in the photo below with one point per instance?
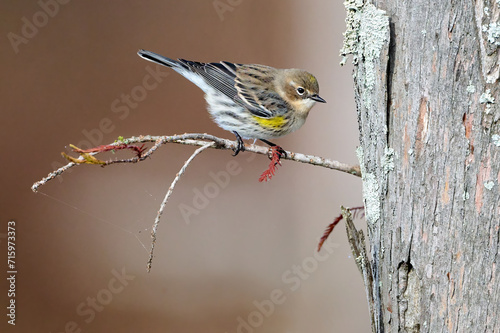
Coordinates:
(273, 123)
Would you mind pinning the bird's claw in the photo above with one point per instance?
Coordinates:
(240, 145)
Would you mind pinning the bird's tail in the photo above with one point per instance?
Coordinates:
(159, 59)
(183, 67)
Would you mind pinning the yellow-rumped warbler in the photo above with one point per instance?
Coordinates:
(252, 101)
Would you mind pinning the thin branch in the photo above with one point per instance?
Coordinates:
(357, 241)
(52, 175)
(193, 139)
(204, 141)
(165, 200)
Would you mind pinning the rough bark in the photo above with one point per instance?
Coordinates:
(426, 83)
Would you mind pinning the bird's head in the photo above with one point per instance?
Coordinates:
(300, 89)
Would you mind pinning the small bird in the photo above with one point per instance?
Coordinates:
(252, 101)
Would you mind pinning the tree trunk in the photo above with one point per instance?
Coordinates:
(426, 81)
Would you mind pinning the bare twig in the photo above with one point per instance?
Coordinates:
(357, 241)
(204, 141)
(195, 139)
(165, 200)
(52, 175)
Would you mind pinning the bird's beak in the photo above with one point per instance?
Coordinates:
(316, 98)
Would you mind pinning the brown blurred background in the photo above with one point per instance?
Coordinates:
(249, 245)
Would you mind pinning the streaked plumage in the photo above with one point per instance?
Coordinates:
(254, 101)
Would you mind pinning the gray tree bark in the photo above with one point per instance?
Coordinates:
(427, 93)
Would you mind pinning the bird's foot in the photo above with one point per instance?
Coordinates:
(240, 146)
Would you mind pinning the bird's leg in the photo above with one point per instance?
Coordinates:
(275, 148)
(240, 146)
(268, 142)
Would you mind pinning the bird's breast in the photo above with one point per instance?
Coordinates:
(276, 122)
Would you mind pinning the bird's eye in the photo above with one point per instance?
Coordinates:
(300, 91)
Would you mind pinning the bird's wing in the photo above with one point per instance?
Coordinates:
(255, 86)
(244, 89)
(215, 74)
